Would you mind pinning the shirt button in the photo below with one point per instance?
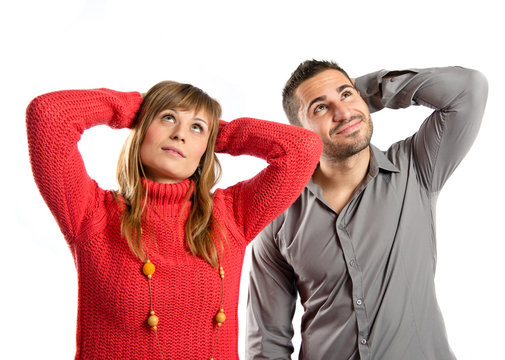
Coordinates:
(352, 263)
(363, 341)
(359, 302)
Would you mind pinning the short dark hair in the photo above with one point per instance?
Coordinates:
(304, 71)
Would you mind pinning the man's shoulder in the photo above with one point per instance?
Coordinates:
(396, 157)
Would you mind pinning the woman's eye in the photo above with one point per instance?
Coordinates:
(169, 118)
(196, 128)
(319, 108)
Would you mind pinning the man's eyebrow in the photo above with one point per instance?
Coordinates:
(322, 98)
(343, 87)
(319, 98)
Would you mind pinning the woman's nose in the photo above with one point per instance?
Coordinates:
(178, 134)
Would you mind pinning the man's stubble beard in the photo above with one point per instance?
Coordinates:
(338, 152)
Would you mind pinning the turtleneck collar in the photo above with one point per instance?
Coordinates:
(168, 194)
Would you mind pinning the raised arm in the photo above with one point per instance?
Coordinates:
(292, 154)
(272, 300)
(458, 96)
(55, 123)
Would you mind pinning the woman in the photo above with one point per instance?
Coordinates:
(151, 257)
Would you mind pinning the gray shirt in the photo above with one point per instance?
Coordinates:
(366, 276)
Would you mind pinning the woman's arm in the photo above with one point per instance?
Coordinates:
(292, 154)
(55, 122)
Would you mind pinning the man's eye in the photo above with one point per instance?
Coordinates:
(319, 108)
(346, 94)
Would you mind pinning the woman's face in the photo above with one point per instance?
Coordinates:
(174, 144)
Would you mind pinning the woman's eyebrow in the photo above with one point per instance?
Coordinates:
(202, 120)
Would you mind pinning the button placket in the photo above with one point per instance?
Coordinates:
(356, 279)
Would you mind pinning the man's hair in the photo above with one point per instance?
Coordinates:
(304, 71)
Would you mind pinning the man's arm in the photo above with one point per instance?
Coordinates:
(458, 96)
(271, 302)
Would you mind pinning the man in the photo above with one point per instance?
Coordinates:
(358, 245)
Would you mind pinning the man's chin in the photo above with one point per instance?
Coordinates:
(343, 152)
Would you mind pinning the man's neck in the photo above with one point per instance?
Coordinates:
(339, 178)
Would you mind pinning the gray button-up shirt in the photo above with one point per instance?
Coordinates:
(366, 276)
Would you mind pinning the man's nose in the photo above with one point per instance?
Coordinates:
(341, 112)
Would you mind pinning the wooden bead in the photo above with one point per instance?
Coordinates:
(148, 269)
(152, 321)
(220, 317)
(221, 272)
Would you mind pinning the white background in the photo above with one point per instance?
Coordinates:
(242, 53)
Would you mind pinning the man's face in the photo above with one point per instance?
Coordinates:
(332, 108)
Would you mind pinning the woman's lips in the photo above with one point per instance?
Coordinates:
(173, 151)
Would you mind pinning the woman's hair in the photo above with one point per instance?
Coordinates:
(198, 228)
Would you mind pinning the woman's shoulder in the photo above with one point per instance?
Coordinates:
(223, 201)
(108, 204)
(105, 211)
(223, 211)
(111, 201)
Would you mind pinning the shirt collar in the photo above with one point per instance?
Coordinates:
(378, 160)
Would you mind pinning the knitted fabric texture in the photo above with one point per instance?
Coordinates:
(113, 301)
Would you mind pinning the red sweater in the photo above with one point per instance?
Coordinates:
(113, 302)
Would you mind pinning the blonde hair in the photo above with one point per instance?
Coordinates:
(198, 228)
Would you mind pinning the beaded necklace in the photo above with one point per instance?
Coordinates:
(148, 270)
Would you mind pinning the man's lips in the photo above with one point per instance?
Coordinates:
(172, 150)
(347, 127)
